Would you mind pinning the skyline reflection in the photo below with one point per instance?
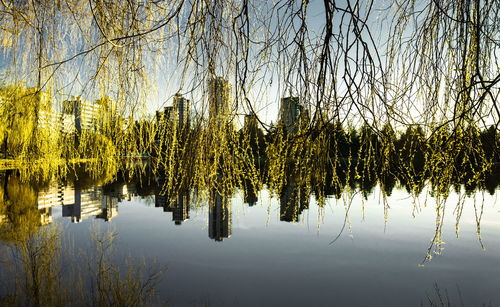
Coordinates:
(83, 199)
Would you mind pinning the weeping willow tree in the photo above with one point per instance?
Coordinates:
(356, 65)
(361, 93)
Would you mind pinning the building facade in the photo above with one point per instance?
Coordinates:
(181, 107)
(290, 113)
(219, 96)
(84, 114)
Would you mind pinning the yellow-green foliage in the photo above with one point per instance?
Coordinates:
(302, 158)
(29, 129)
(41, 279)
(19, 211)
(26, 124)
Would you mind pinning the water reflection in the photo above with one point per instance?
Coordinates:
(178, 206)
(80, 203)
(19, 210)
(81, 198)
(250, 196)
(25, 203)
(293, 200)
(219, 216)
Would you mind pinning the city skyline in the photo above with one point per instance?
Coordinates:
(77, 114)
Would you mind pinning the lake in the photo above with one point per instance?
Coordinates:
(363, 249)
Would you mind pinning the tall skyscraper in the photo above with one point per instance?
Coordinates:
(163, 121)
(181, 110)
(290, 112)
(168, 114)
(219, 95)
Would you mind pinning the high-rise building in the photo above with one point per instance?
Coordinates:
(181, 110)
(168, 114)
(290, 112)
(164, 118)
(162, 123)
(84, 113)
(219, 217)
(219, 96)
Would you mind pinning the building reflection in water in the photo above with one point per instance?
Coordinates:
(219, 213)
(87, 202)
(180, 210)
(81, 203)
(249, 195)
(48, 198)
(109, 208)
(179, 206)
(219, 217)
(293, 200)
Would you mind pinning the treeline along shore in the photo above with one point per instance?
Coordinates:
(323, 155)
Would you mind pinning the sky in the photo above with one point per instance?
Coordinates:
(162, 72)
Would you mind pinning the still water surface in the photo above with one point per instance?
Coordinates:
(237, 254)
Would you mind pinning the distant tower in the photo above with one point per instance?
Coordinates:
(181, 109)
(164, 118)
(219, 95)
(291, 109)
